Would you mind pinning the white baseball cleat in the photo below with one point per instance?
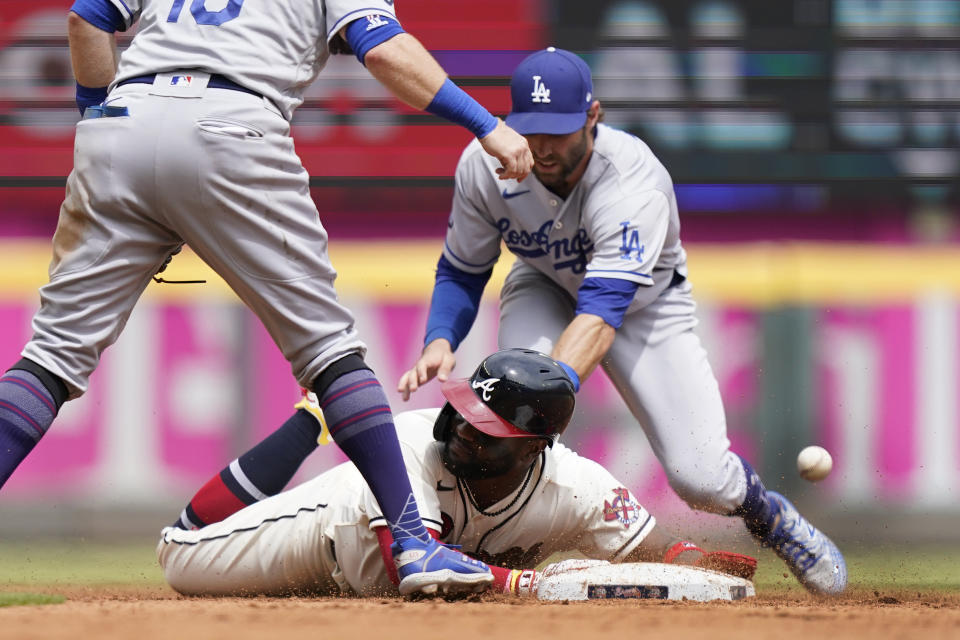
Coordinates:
(431, 568)
(812, 557)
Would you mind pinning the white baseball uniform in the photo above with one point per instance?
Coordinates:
(318, 538)
(210, 166)
(620, 222)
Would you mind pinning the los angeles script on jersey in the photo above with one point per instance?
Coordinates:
(567, 253)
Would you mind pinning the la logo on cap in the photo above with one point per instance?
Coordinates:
(540, 91)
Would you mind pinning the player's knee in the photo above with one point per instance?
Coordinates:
(351, 362)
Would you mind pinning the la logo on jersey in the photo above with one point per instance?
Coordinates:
(375, 21)
(181, 81)
(540, 91)
(486, 386)
(630, 242)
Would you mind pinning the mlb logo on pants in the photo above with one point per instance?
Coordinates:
(181, 81)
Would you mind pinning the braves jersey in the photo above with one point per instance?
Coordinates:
(323, 530)
(620, 221)
(273, 47)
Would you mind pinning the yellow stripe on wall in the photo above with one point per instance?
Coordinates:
(751, 275)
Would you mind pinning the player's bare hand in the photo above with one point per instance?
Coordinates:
(511, 149)
(436, 361)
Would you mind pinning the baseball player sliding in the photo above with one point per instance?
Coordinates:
(601, 280)
(187, 140)
(488, 474)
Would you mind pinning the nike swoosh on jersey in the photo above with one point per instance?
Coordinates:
(440, 486)
(507, 196)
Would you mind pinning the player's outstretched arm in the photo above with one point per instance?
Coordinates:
(453, 308)
(503, 144)
(436, 361)
(407, 69)
(93, 54)
(583, 344)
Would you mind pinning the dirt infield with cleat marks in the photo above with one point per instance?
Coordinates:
(157, 612)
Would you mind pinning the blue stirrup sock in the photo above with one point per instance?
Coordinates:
(360, 421)
(756, 510)
(29, 401)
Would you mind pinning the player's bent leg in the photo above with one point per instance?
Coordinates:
(30, 397)
(671, 390)
(714, 483)
(262, 471)
(528, 295)
(775, 523)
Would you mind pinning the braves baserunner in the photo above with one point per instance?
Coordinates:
(488, 474)
(601, 280)
(187, 140)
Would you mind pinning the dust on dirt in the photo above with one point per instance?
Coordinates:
(148, 613)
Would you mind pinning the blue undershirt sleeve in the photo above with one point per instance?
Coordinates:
(100, 13)
(364, 34)
(450, 102)
(455, 301)
(454, 104)
(608, 298)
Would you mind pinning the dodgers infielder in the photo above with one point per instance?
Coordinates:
(488, 475)
(188, 141)
(601, 278)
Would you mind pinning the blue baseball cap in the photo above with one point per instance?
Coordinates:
(551, 91)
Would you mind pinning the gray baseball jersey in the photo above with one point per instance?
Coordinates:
(216, 168)
(620, 221)
(273, 47)
(318, 537)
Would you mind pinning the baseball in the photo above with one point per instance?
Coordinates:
(814, 463)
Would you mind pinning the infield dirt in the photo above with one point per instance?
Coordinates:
(154, 613)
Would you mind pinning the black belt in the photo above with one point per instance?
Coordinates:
(677, 278)
(216, 81)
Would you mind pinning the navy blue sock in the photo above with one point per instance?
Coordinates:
(359, 418)
(271, 464)
(756, 510)
(262, 471)
(26, 410)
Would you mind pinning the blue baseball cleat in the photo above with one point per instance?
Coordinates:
(430, 567)
(811, 556)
